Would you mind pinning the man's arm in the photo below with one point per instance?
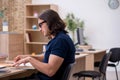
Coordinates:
(38, 57)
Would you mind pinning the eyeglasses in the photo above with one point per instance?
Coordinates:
(40, 24)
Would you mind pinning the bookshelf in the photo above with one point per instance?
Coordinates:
(34, 39)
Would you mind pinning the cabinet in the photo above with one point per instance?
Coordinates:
(34, 39)
(11, 44)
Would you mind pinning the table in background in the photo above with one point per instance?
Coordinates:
(94, 57)
(85, 61)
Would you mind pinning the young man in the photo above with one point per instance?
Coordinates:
(60, 50)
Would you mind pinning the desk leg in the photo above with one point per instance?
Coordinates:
(89, 65)
(89, 62)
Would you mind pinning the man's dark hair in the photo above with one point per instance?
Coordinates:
(53, 20)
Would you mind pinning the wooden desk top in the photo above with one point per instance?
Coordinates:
(80, 55)
(10, 72)
(92, 52)
(7, 70)
(96, 51)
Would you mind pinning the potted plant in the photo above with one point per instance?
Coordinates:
(74, 23)
(70, 21)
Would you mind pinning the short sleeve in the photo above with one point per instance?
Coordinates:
(60, 48)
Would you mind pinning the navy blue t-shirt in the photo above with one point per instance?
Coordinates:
(61, 45)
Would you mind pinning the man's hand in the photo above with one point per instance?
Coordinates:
(24, 61)
(19, 57)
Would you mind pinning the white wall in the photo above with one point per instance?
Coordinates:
(102, 24)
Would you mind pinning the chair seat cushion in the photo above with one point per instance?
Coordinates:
(112, 65)
(92, 74)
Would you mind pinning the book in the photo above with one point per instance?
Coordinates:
(27, 37)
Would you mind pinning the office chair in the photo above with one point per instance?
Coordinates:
(67, 73)
(115, 59)
(95, 74)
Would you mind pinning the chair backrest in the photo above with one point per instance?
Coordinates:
(104, 63)
(115, 56)
(67, 72)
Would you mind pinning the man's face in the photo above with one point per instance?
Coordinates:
(43, 27)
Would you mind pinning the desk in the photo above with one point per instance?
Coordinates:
(93, 57)
(12, 72)
(84, 61)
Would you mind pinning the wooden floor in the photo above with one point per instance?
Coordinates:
(111, 75)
